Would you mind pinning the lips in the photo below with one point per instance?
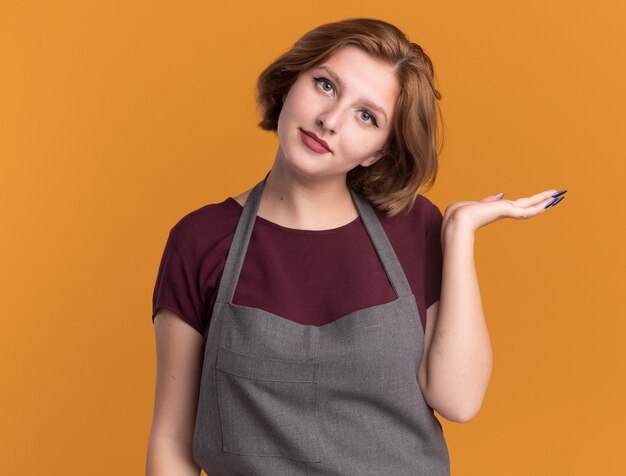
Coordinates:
(316, 139)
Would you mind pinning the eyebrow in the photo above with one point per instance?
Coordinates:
(367, 102)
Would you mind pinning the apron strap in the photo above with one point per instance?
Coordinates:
(243, 232)
(239, 246)
(382, 245)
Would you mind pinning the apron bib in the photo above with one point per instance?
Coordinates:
(281, 398)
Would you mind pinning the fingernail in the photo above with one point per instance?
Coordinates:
(558, 201)
(551, 203)
(557, 194)
(554, 202)
(500, 195)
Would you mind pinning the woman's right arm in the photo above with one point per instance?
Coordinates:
(179, 367)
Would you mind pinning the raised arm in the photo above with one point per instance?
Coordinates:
(457, 363)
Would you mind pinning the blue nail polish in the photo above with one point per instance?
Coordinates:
(551, 204)
(553, 201)
(558, 194)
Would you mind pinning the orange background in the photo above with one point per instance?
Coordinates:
(117, 118)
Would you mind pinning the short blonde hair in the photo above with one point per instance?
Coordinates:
(410, 161)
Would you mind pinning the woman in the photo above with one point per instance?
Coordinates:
(299, 327)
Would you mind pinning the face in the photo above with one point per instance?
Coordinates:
(347, 102)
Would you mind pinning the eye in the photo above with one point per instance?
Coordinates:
(369, 117)
(366, 115)
(324, 82)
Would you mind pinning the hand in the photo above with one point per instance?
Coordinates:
(478, 214)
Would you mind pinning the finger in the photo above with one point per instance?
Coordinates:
(527, 211)
(491, 198)
(537, 199)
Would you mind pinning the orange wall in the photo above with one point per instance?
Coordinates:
(118, 118)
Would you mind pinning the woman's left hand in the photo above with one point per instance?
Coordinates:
(478, 214)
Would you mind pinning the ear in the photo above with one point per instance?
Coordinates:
(375, 158)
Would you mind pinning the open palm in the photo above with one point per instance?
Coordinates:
(491, 208)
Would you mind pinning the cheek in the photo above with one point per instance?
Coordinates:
(280, 129)
(286, 112)
(364, 141)
(288, 122)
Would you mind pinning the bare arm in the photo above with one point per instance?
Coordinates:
(179, 366)
(457, 364)
(457, 360)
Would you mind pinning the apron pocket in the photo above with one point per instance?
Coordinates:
(267, 407)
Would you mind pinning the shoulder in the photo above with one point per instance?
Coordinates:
(422, 215)
(426, 207)
(207, 225)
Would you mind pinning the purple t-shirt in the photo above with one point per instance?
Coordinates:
(312, 277)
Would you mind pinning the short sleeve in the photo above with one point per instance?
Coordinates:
(434, 258)
(177, 287)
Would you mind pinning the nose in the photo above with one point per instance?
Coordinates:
(329, 119)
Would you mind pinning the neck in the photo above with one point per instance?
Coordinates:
(304, 202)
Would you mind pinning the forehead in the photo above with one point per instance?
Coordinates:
(364, 75)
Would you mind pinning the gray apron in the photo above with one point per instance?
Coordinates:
(281, 398)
